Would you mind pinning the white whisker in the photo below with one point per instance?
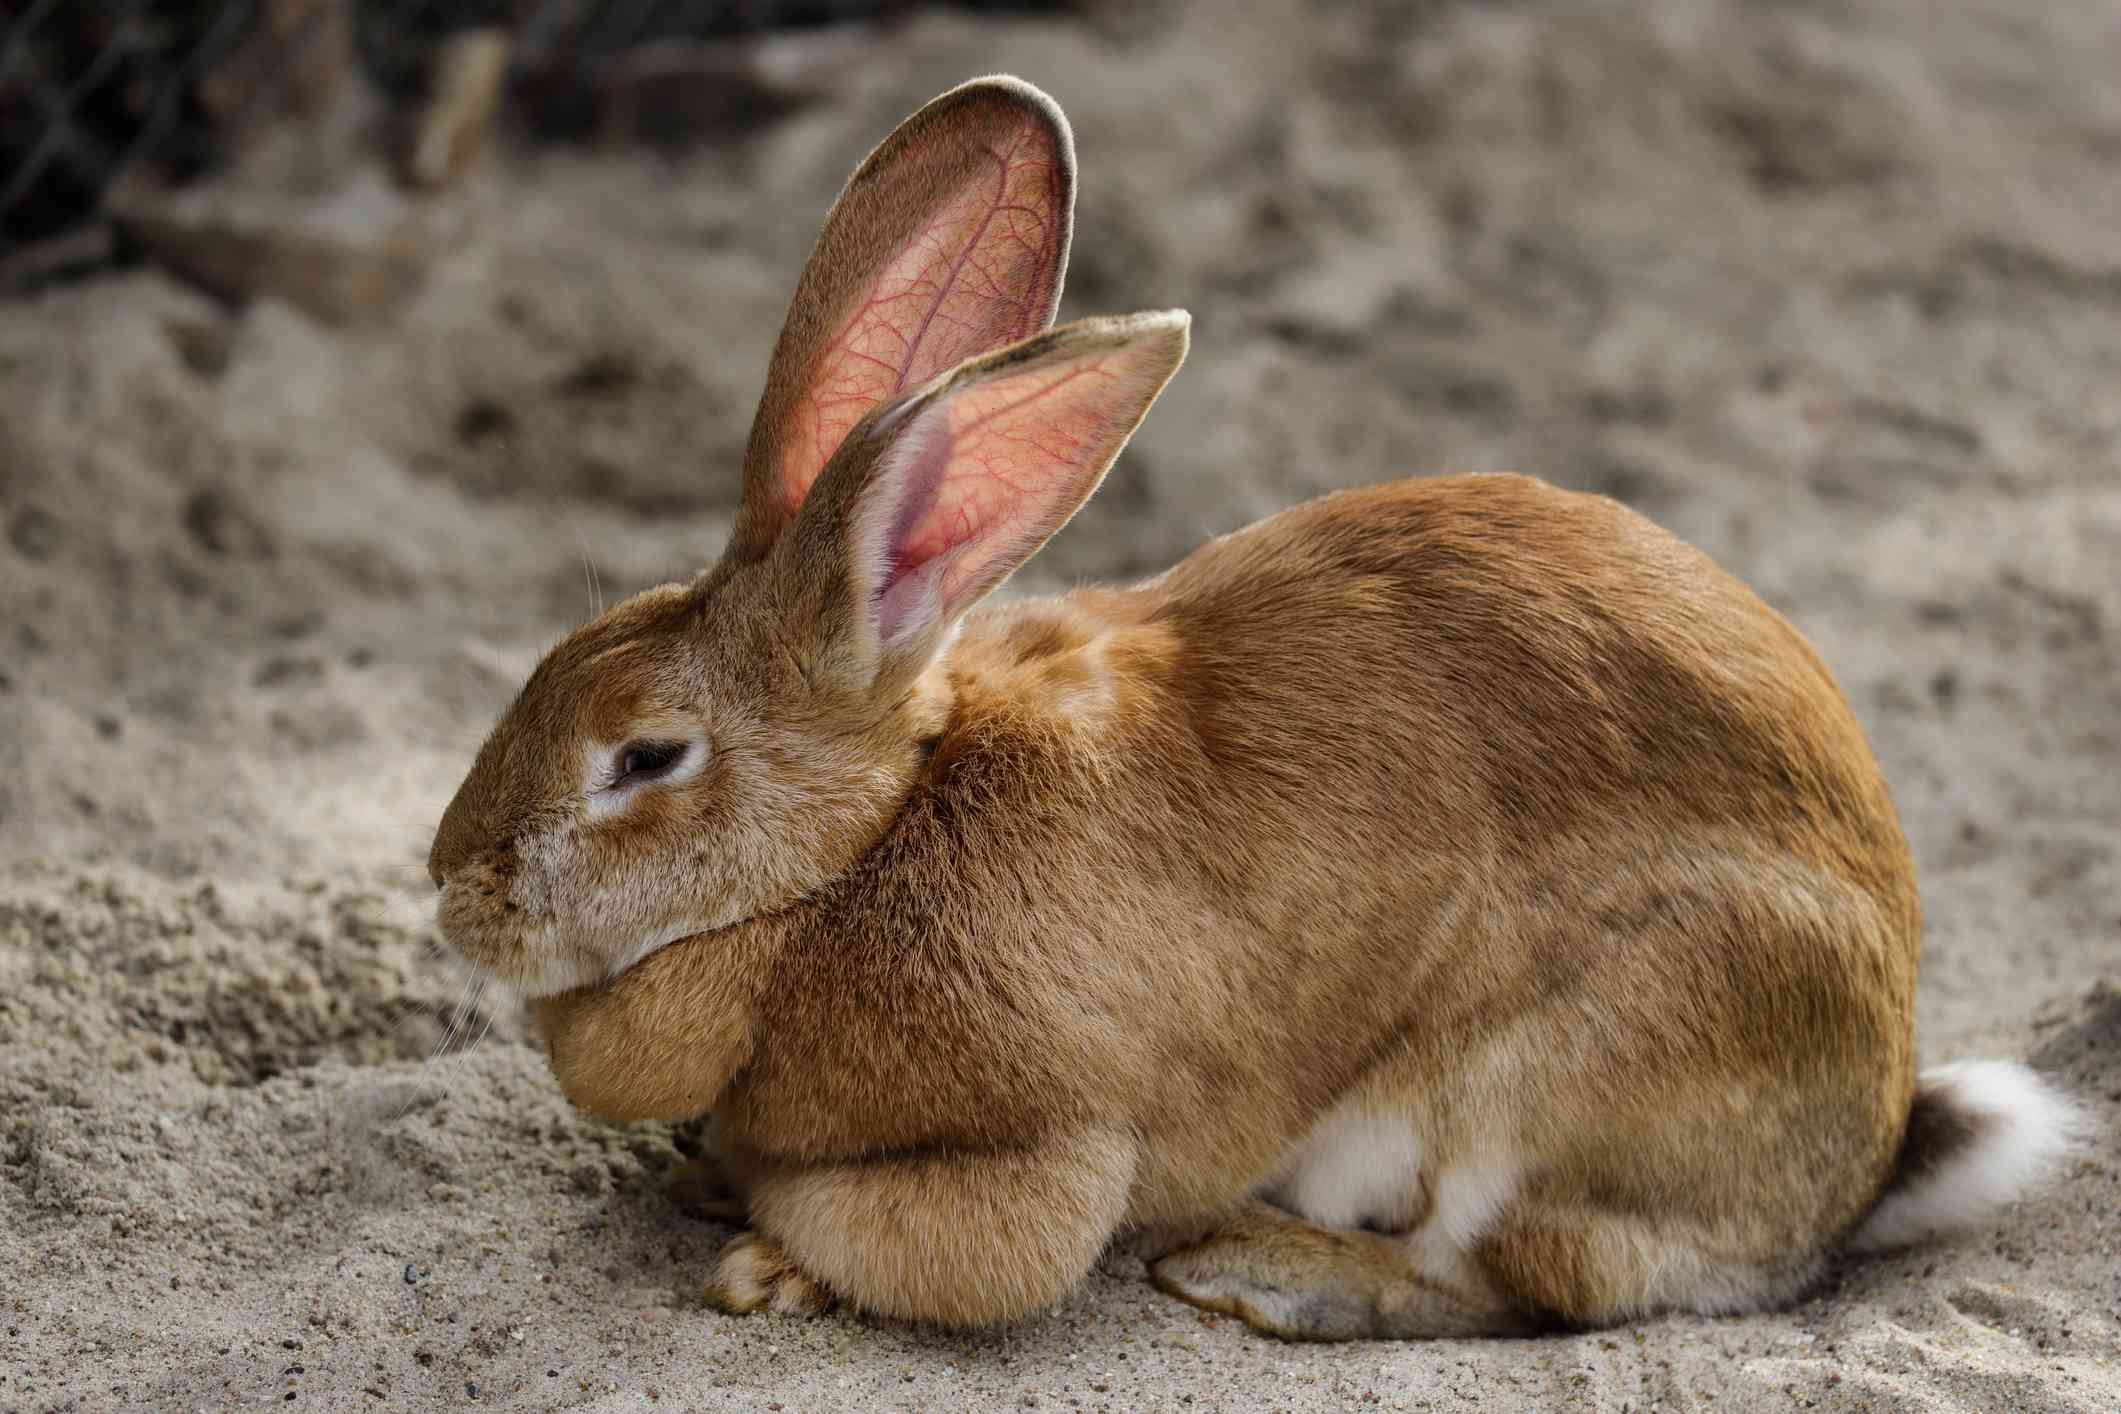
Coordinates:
(590, 581)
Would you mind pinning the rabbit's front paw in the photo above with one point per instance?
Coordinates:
(754, 1274)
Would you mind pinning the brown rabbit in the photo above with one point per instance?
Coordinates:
(1445, 908)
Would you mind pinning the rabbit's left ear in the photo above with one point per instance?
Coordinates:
(949, 241)
(939, 497)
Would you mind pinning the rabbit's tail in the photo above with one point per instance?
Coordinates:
(1981, 1134)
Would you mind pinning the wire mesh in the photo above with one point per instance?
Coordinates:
(91, 90)
(87, 87)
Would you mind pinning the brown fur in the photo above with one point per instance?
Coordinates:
(1482, 807)
(1536, 871)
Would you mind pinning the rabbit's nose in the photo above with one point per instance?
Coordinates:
(442, 859)
(460, 836)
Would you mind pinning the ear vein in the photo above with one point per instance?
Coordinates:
(1031, 397)
(957, 267)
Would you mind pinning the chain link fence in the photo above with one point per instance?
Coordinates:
(92, 91)
(88, 89)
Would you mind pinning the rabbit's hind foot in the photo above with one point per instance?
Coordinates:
(1288, 1278)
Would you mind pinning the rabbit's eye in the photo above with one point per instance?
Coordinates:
(644, 760)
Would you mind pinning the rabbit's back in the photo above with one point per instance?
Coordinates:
(1554, 664)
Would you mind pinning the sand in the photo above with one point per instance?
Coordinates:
(1830, 288)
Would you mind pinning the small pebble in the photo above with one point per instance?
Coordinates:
(412, 1274)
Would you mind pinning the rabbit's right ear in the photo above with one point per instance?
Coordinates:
(948, 242)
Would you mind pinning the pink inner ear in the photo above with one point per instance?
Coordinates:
(979, 275)
(988, 472)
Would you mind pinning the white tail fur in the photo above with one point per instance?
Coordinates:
(1982, 1133)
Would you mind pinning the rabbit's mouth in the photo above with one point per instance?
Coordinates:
(485, 920)
(496, 919)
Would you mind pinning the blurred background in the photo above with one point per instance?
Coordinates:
(95, 91)
(351, 352)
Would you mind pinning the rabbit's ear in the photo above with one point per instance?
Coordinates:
(939, 497)
(948, 242)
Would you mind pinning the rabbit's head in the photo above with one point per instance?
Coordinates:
(708, 752)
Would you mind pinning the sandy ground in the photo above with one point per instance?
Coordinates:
(1829, 287)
